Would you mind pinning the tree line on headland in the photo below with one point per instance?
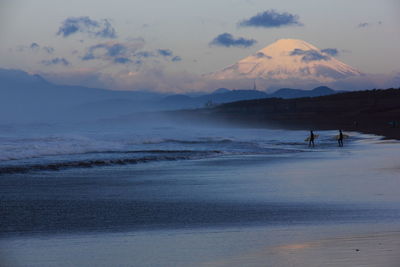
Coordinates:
(370, 111)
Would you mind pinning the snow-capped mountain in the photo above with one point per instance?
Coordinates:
(288, 59)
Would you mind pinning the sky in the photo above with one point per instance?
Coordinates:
(166, 45)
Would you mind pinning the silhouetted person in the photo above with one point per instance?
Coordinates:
(312, 137)
(340, 138)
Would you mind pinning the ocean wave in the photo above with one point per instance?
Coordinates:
(36, 147)
(153, 155)
(191, 142)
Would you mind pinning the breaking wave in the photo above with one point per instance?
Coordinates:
(144, 157)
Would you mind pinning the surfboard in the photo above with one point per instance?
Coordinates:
(315, 137)
(336, 137)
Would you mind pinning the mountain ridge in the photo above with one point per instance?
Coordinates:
(287, 59)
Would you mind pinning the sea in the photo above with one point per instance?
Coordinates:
(162, 193)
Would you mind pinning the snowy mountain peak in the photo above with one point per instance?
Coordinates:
(288, 59)
(287, 45)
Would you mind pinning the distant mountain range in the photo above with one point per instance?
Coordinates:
(287, 93)
(223, 95)
(25, 97)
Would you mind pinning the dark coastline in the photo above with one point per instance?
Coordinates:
(371, 111)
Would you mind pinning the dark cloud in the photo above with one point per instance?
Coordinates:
(122, 60)
(107, 30)
(56, 61)
(363, 25)
(176, 59)
(168, 54)
(108, 51)
(101, 28)
(125, 53)
(165, 52)
(34, 46)
(262, 55)
(144, 54)
(116, 50)
(309, 55)
(330, 51)
(88, 56)
(227, 40)
(368, 24)
(48, 49)
(271, 19)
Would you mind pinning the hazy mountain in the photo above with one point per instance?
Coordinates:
(221, 90)
(287, 59)
(225, 96)
(25, 97)
(219, 96)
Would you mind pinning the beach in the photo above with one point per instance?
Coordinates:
(341, 245)
(265, 199)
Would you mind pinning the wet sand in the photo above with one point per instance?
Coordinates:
(328, 245)
(372, 250)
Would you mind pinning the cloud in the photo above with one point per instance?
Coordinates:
(368, 24)
(330, 51)
(227, 40)
(55, 61)
(144, 54)
(116, 50)
(126, 53)
(122, 60)
(309, 55)
(165, 52)
(176, 59)
(363, 25)
(112, 51)
(34, 46)
(271, 19)
(100, 28)
(262, 55)
(48, 49)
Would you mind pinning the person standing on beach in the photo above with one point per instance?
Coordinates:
(340, 138)
(311, 139)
